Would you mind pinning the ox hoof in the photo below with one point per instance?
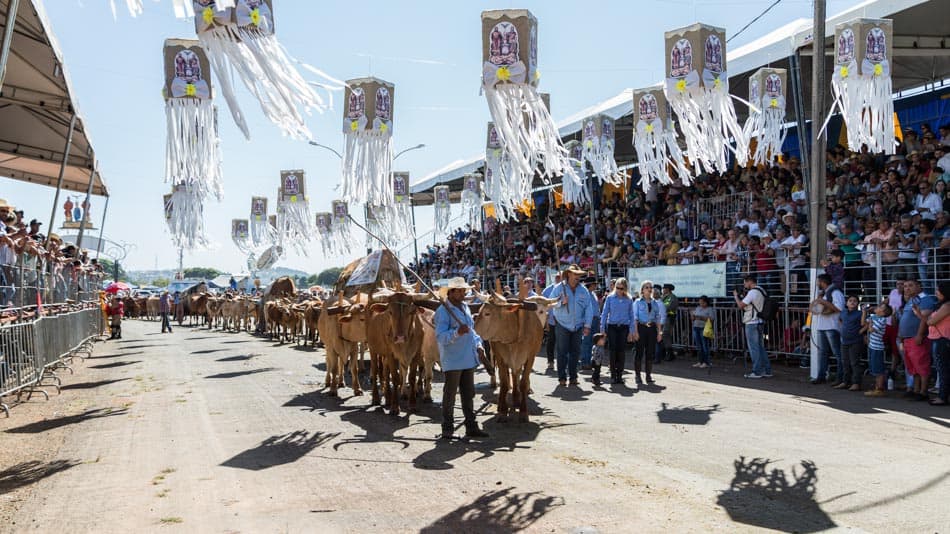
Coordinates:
(331, 393)
(502, 418)
(427, 399)
(523, 418)
(358, 393)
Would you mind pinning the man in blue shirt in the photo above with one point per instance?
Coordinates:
(549, 330)
(912, 332)
(573, 314)
(616, 320)
(649, 315)
(459, 348)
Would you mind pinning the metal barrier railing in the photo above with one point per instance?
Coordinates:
(32, 352)
(34, 279)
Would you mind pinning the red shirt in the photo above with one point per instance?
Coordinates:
(118, 309)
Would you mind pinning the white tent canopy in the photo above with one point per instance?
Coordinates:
(920, 26)
(37, 106)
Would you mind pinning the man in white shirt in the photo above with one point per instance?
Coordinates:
(751, 306)
(825, 313)
(928, 203)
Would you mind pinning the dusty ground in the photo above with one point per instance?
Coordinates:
(211, 432)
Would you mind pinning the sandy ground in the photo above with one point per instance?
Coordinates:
(201, 431)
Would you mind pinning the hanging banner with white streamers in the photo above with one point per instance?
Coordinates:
(368, 132)
(192, 157)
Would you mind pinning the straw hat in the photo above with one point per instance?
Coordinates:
(5, 204)
(454, 283)
(574, 269)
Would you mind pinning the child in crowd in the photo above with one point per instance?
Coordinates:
(835, 268)
(598, 356)
(875, 324)
(116, 310)
(851, 345)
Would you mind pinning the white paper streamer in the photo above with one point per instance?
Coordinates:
(192, 154)
(574, 190)
(442, 209)
(367, 166)
(250, 51)
(186, 223)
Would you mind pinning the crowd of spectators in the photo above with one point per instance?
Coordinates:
(887, 211)
(38, 269)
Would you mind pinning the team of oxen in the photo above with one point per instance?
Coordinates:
(394, 325)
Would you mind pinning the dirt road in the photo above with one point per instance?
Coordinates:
(201, 431)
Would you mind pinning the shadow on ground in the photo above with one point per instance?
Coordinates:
(113, 365)
(496, 511)
(238, 358)
(92, 385)
(208, 351)
(236, 374)
(28, 473)
(49, 424)
(686, 415)
(279, 450)
(772, 499)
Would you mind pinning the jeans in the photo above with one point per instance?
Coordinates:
(568, 351)
(760, 359)
(646, 348)
(165, 322)
(462, 380)
(702, 344)
(941, 354)
(549, 341)
(617, 348)
(829, 341)
(851, 361)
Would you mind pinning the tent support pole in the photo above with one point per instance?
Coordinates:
(62, 174)
(86, 206)
(795, 64)
(102, 227)
(7, 38)
(816, 184)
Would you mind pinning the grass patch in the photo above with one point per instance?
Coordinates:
(171, 520)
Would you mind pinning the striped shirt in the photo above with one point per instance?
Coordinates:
(876, 332)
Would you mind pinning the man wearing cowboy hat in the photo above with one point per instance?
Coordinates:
(459, 351)
(573, 314)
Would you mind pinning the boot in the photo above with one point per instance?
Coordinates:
(472, 431)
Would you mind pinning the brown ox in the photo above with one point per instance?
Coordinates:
(515, 330)
(152, 307)
(282, 287)
(395, 333)
(342, 326)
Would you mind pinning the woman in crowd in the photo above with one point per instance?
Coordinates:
(616, 320)
(701, 315)
(938, 333)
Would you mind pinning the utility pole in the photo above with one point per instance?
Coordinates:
(817, 215)
(181, 263)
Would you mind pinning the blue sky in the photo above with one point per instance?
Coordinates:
(589, 51)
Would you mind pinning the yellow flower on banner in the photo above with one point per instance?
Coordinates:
(773, 102)
(293, 198)
(208, 15)
(649, 128)
(717, 83)
(681, 86)
(257, 217)
(878, 69)
(590, 144)
(354, 125)
(537, 75)
(844, 72)
(503, 74)
(256, 16)
(382, 127)
(190, 90)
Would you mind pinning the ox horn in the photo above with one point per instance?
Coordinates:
(498, 286)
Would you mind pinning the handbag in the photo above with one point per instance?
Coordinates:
(708, 329)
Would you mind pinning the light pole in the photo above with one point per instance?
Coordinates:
(410, 149)
(314, 143)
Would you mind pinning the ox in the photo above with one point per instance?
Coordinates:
(395, 337)
(342, 327)
(515, 330)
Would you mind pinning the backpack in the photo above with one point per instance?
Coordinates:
(769, 311)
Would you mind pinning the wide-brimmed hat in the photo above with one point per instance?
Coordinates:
(5, 204)
(574, 269)
(453, 283)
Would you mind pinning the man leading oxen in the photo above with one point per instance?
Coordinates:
(459, 351)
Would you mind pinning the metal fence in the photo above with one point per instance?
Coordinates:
(32, 352)
(32, 281)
